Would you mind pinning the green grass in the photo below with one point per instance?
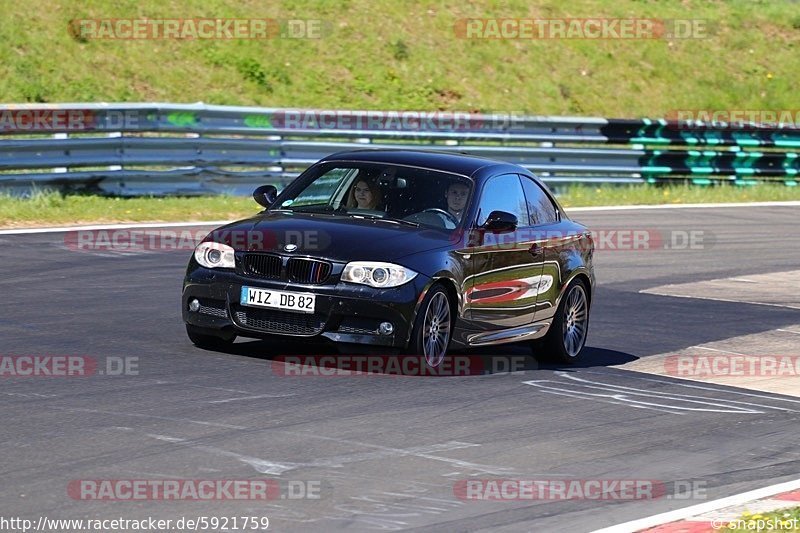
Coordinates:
(383, 54)
(580, 196)
(51, 208)
(789, 522)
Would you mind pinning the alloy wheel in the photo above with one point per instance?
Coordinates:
(576, 319)
(436, 329)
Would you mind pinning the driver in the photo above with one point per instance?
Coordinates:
(456, 196)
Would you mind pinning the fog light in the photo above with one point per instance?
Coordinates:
(194, 305)
(386, 328)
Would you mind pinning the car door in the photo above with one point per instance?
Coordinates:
(550, 239)
(500, 294)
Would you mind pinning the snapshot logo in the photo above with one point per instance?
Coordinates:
(581, 28)
(195, 28)
(576, 489)
(395, 365)
(603, 239)
(723, 365)
(193, 489)
(166, 240)
(758, 523)
(310, 119)
(734, 119)
(66, 366)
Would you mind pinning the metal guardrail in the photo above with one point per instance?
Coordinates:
(133, 149)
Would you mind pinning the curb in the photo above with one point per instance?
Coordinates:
(716, 520)
(714, 515)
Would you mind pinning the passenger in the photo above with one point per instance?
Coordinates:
(456, 195)
(364, 194)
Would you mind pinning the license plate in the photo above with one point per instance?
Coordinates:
(301, 302)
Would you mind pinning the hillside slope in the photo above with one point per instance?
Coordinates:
(388, 54)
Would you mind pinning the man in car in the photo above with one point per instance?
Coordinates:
(456, 195)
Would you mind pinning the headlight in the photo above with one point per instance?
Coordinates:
(214, 255)
(377, 274)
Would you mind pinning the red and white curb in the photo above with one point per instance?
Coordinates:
(715, 515)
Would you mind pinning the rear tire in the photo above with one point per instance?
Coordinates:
(207, 341)
(433, 325)
(567, 335)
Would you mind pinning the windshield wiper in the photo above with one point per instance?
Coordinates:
(401, 221)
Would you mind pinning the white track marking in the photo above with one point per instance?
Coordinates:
(700, 397)
(721, 351)
(261, 466)
(251, 398)
(264, 466)
(138, 415)
(487, 469)
(659, 401)
(692, 386)
(650, 291)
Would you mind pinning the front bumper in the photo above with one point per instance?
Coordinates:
(344, 312)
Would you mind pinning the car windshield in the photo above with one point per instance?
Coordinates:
(405, 195)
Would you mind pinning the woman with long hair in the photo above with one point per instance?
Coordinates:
(364, 194)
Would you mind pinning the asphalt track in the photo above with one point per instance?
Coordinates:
(388, 451)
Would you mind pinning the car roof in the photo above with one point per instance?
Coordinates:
(465, 165)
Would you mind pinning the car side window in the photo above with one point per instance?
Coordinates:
(540, 206)
(503, 193)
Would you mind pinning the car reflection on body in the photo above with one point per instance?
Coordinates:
(454, 252)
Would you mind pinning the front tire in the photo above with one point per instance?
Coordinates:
(567, 335)
(430, 336)
(205, 341)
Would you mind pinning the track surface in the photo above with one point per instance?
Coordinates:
(387, 451)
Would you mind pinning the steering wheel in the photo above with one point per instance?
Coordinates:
(447, 214)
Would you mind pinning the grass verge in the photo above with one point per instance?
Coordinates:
(381, 54)
(583, 196)
(53, 209)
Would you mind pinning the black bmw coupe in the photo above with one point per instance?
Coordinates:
(408, 251)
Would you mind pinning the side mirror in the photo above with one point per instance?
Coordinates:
(265, 195)
(500, 222)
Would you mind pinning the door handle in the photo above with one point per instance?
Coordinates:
(535, 250)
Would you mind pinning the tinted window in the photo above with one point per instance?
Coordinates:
(541, 208)
(503, 193)
(374, 190)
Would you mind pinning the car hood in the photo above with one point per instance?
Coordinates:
(338, 238)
